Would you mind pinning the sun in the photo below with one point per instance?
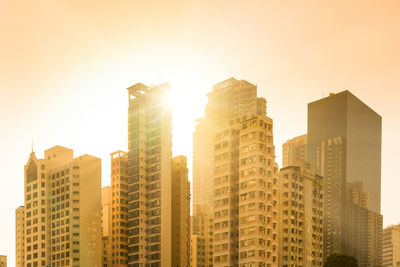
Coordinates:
(187, 104)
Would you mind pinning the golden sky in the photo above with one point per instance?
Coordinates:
(64, 67)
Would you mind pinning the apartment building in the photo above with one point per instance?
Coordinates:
(152, 222)
(19, 236)
(391, 246)
(301, 216)
(119, 209)
(62, 210)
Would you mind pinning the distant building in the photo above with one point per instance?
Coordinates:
(391, 246)
(62, 224)
(301, 216)
(331, 161)
(201, 248)
(119, 209)
(344, 143)
(362, 228)
(3, 261)
(180, 212)
(106, 222)
(19, 236)
(158, 194)
(294, 150)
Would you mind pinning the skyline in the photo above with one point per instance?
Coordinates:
(73, 93)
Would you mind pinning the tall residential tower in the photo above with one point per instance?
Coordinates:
(156, 219)
(119, 209)
(301, 216)
(62, 210)
(234, 153)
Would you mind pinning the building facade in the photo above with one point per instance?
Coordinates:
(245, 178)
(62, 210)
(344, 115)
(19, 236)
(106, 221)
(201, 234)
(301, 216)
(180, 212)
(391, 246)
(151, 218)
(227, 101)
(294, 150)
(119, 209)
(331, 163)
(344, 143)
(362, 228)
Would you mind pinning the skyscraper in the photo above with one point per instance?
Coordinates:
(19, 236)
(301, 216)
(344, 142)
(62, 210)
(344, 115)
(227, 100)
(294, 150)
(243, 175)
(151, 182)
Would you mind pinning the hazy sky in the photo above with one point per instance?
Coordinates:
(64, 67)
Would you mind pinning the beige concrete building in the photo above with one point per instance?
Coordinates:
(362, 229)
(19, 236)
(106, 225)
(151, 214)
(201, 248)
(228, 104)
(301, 216)
(119, 185)
(62, 210)
(391, 246)
(3, 261)
(245, 177)
(180, 212)
(203, 162)
(227, 100)
(294, 150)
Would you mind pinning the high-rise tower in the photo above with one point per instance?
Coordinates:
(119, 210)
(234, 152)
(227, 100)
(301, 216)
(152, 228)
(62, 210)
(344, 142)
(344, 115)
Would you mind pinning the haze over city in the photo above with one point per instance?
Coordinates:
(65, 67)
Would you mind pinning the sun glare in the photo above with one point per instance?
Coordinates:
(187, 105)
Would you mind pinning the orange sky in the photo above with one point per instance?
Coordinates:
(64, 67)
